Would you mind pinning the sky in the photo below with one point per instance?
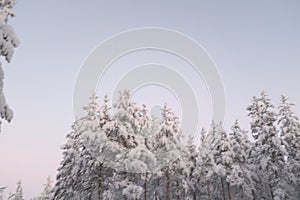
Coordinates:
(254, 44)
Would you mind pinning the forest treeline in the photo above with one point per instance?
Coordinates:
(121, 152)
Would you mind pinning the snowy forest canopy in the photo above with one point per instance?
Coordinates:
(123, 153)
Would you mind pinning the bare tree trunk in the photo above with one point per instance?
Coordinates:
(223, 188)
(99, 184)
(125, 175)
(156, 192)
(145, 187)
(194, 190)
(253, 194)
(271, 191)
(208, 190)
(168, 185)
(99, 188)
(178, 190)
(229, 192)
(241, 192)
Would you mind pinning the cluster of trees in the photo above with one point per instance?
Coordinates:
(8, 42)
(47, 191)
(18, 195)
(121, 152)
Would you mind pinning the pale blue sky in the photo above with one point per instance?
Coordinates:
(255, 45)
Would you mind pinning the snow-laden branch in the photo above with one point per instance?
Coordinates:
(8, 42)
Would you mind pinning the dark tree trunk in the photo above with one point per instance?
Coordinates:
(208, 190)
(125, 175)
(168, 185)
(223, 188)
(178, 190)
(99, 184)
(156, 192)
(145, 187)
(253, 195)
(229, 192)
(271, 191)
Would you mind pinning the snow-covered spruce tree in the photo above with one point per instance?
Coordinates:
(216, 189)
(19, 192)
(130, 121)
(137, 157)
(100, 151)
(290, 132)
(267, 153)
(150, 184)
(241, 175)
(8, 41)
(140, 162)
(64, 186)
(181, 170)
(96, 136)
(47, 192)
(223, 158)
(190, 182)
(168, 150)
(204, 169)
(70, 184)
(2, 189)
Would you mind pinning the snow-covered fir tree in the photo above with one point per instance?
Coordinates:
(188, 180)
(290, 132)
(241, 176)
(204, 169)
(19, 192)
(47, 192)
(132, 121)
(267, 153)
(64, 186)
(223, 159)
(100, 150)
(2, 189)
(70, 181)
(167, 149)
